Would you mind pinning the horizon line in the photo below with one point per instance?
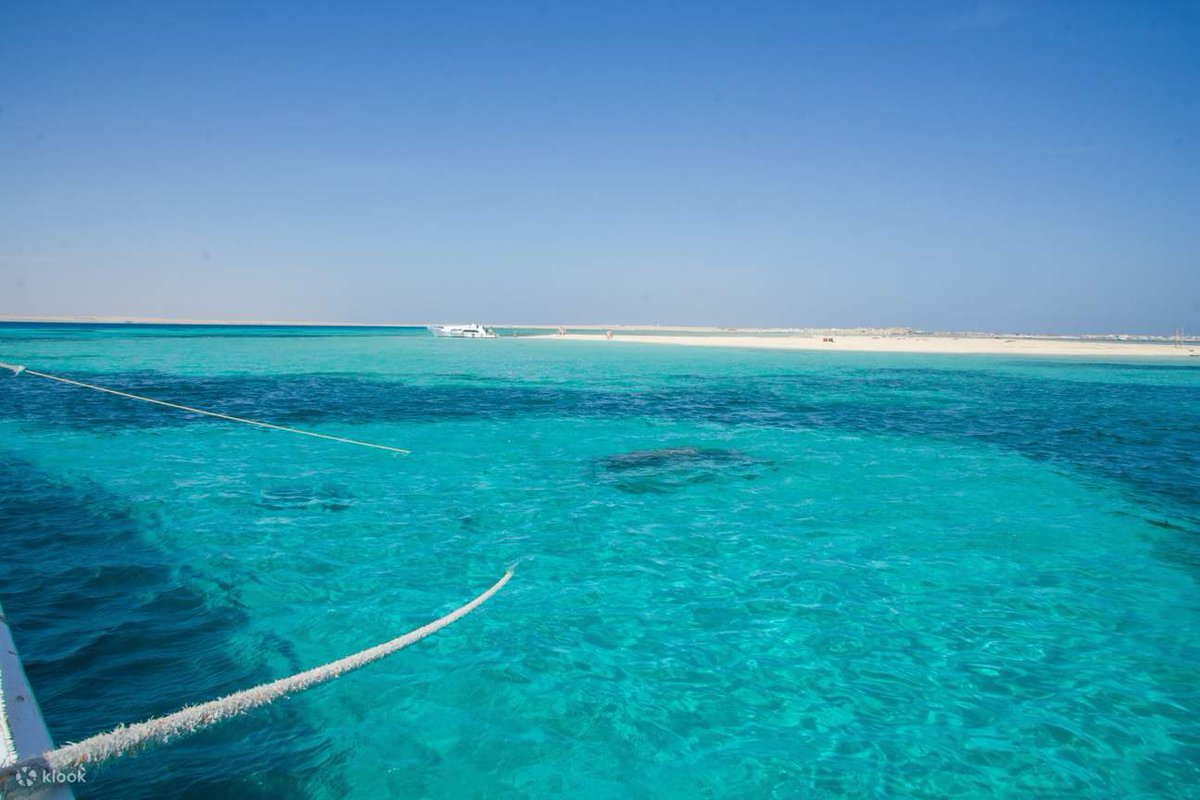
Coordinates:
(873, 329)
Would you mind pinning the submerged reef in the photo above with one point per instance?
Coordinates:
(671, 469)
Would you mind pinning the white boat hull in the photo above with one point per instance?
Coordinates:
(462, 331)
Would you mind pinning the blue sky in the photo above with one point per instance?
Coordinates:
(955, 165)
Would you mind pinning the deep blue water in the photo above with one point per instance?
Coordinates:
(742, 573)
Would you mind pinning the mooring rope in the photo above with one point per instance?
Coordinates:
(20, 370)
(191, 719)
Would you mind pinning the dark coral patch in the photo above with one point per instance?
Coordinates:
(671, 469)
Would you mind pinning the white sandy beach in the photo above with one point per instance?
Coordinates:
(978, 345)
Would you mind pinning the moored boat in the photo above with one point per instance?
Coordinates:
(472, 331)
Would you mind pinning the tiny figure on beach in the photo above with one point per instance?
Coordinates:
(608, 335)
(561, 331)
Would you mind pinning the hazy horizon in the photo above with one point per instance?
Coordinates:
(1003, 166)
(117, 319)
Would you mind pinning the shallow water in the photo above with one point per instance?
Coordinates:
(742, 573)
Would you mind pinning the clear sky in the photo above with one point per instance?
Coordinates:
(1025, 166)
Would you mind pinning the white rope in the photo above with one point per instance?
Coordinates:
(160, 730)
(17, 370)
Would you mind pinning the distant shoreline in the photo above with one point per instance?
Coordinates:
(862, 339)
(599, 327)
(939, 344)
(66, 320)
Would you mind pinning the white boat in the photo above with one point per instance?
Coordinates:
(23, 733)
(472, 331)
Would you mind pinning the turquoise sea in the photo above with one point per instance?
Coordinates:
(741, 573)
